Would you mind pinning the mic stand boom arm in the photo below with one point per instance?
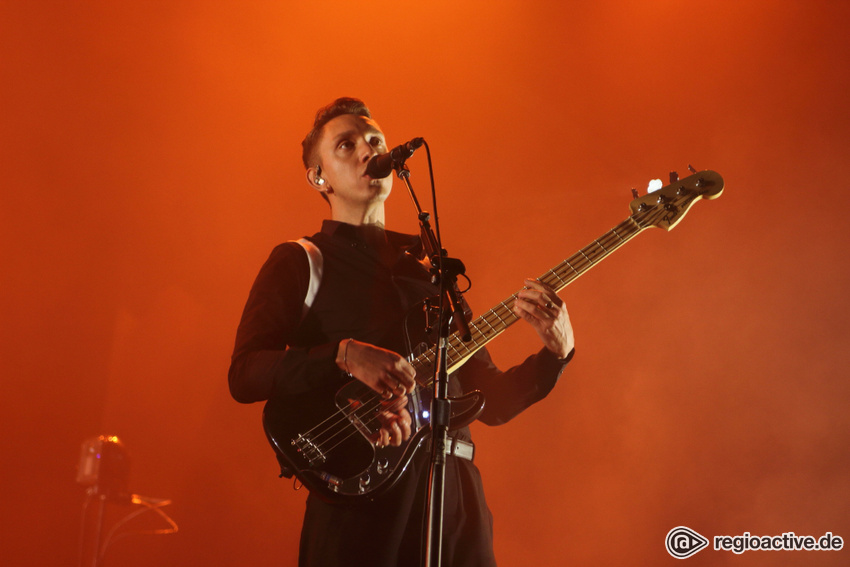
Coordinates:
(447, 269)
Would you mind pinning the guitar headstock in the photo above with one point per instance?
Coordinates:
(667, 206)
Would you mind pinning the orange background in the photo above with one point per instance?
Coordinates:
(151, 160)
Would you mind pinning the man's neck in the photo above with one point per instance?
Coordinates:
(371, 216)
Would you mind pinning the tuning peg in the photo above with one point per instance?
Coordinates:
(634, 193)
(691, 168)
(674, 177)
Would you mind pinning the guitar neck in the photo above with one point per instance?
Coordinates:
(495, 321)
(664, 208)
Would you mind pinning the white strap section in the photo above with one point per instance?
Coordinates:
(317, 264)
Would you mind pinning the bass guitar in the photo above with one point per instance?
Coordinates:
(331, 450)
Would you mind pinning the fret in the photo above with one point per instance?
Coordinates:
(477, 332)
(617, 234)
(554, 273)
(634, 221)
(464, 345)
(614, 240)
(497, 325)
(502, 321)
(484, 318)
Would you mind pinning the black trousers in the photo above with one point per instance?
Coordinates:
(388, 532)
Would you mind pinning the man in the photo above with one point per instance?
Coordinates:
(371, 279)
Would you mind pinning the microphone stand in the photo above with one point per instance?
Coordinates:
(447, 270)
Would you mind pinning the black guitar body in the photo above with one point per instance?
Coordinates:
(329, 447)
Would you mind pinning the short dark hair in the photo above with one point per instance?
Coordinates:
(343, 105)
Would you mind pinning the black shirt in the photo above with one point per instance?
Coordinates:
(372, 277)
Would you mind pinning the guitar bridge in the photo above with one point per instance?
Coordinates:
(309, 450)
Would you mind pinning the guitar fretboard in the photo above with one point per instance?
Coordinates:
(495, 321)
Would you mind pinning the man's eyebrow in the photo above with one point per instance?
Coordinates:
(353, 132)
(343, 135)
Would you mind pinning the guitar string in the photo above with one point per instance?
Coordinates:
(367, 406)
(372, 404)
(363, 410)
(343, 422)
(364, 417)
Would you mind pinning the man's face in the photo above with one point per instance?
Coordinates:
(346, 145)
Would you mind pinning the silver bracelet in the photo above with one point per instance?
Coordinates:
(345, 356)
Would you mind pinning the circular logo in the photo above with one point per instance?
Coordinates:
(682, 542)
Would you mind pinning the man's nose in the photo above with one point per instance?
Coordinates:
(367, 150)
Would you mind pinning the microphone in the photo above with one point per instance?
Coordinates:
(382, 165)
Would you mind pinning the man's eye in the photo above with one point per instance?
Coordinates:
(345, 144)
(376, 142)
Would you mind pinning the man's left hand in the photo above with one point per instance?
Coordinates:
(538, 304)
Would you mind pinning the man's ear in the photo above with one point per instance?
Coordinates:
(315, 179)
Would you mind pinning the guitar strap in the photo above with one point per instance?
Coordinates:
(317, 264)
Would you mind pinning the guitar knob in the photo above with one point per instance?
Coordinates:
(382, 465)
(365, 479)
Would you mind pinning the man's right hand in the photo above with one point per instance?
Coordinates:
(387, 373)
